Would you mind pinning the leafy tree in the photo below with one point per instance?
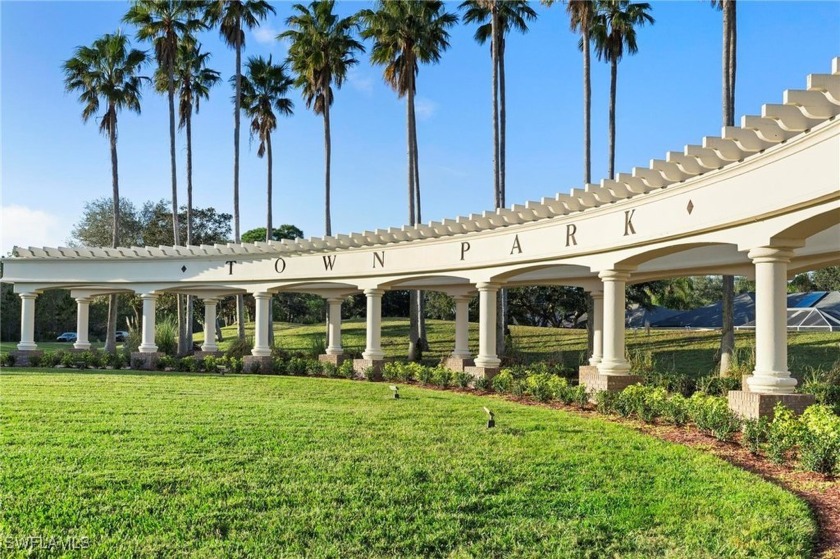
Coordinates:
(405, 35)
(231, 16)
(322, 50)
(614, 31)
(285, 231)
(827, 279)
(107, 73)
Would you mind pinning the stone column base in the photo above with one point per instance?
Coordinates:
(336, 360)
(22, 356)
(202, 354)
(594, 381)
(145, 361)
(752, 405)
(745, 386)
(482, 372)
(259, 364)
(458, 364)
(372, 367)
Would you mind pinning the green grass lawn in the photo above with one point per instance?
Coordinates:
(162, 465)
(686, 351)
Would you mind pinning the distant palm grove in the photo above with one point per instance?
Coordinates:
(400, 36)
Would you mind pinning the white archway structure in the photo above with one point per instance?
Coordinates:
(761, 200)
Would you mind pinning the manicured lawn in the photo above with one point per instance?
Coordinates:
(260, 466)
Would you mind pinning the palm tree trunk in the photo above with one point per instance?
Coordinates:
(727, 337)
(176, 226)
(327, 161)
(240, 299)
(733, 55)
(494, 55)
(725, 79)
(587, 108)
(420, 297)
(188, 126)
(413, 301)
(502, 123)
(613, 79)
(269, 230)
(110, 333)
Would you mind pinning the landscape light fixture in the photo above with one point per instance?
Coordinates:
(491, 422)
(396, 392)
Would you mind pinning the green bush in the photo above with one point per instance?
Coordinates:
(675, 410)
(166, 335)
(424, 374)
(482, 383)
(330, 370)
(671, 381)
(820, 443)
(211, 364)
(296, 366)
(605, 401)
(314, 368)
(346, 369)
(716, 385)
(463, 380)
(37, 360)
(783, 433)
(7, 360)
(441, 376)
(712, 415)
(755, 433)
(240, 348)
(579, 396)
(824, 384)
(538, 386)
(317, 346)
(167, 362)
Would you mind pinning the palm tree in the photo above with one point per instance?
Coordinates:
(580, 18)
(727, 338)
(165, 23)
(231, 16)
(614, 30)
(265, 89)
(107, 73)
(406, 34)
(503, 16)
(194, 80)
(322, 50)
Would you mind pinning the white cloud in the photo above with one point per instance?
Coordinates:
(25, 227)
(265, 34)
(424, 108)
(360, 82)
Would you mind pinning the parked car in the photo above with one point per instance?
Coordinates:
(67, 337)
(121, 335)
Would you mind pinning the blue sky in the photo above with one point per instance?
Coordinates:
(668, 96)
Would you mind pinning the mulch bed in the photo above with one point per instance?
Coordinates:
(821, 492)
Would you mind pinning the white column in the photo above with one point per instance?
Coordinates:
(27, 322)
(597, 319)
(261, 326)
(373, 351)
(147, 344)
(462, 326)
(613, 361)
(487, 326)
(210, 325)
(334, 347)
(82, 323)
(771, 375)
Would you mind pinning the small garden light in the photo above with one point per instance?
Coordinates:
(491, 422)
(396, 392)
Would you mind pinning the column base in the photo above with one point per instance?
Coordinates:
(616, 368)
(204, 353)
(145, 360)
(752, 405)
(478, 371)
(773, 382)
(22, 357)
(335, 358)
(595, 381)
(258, 364)
(27, 346)
(370, 369)
(458, 364)
(81, 346)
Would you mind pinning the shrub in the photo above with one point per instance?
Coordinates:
(671, 381)
(317, 346)
(783, 433)
(482, 383)
(166, 335)
(755, 433)
(715, 385)
(8, 360)
(314, 368)
(824, 384)
(579, 396)
(211, 364)
(424, 374)
(675, 410)
(330, 370)
(116, 360)
(605, 401)
(346, 369)
(538, 387)
(463, 380)
(167, 362)
(820, 443)
(189, 364)
(441, 376)
(240, 348)
(712, 415)
(631, 400)
(296, 366)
